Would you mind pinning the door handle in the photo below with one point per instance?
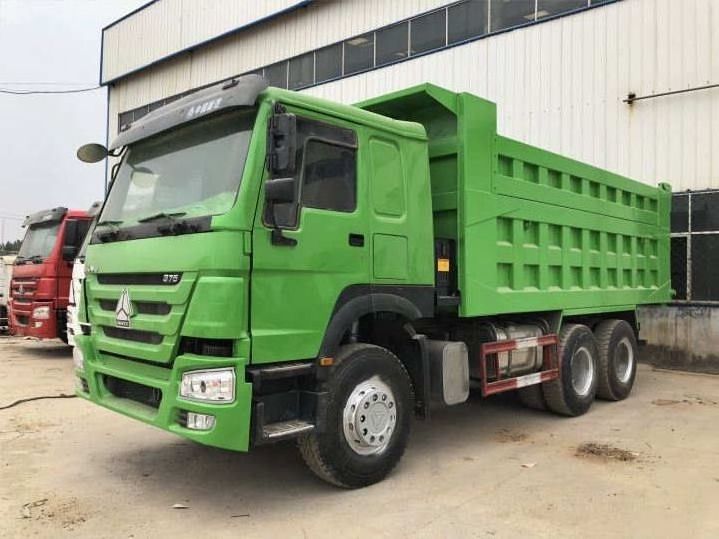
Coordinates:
(356, 240)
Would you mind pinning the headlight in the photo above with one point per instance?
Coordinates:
(41, 313)
(216, 385)
(78, 359)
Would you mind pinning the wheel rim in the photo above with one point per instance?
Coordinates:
(624, 360)
(582, 371)
(369, 417)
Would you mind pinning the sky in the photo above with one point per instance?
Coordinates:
(51, 45)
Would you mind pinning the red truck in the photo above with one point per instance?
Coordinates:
(42, 272)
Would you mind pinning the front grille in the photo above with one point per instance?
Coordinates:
(206, 347)
(124, 389)
(141, 307)
(137, 335)
(165, 279)
(134, 359)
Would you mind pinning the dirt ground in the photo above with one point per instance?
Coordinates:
(645, 467)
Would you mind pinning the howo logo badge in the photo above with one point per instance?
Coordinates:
(123, 310)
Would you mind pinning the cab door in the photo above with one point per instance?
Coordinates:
(323, 249)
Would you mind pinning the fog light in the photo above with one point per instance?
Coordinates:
(217, 385)
(78, 359)
(200, 421)
(41, 313)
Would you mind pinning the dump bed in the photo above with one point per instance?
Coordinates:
(535, 231)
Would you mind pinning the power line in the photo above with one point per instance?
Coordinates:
(36, 92)
(43, 83)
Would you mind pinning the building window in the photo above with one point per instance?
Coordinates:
(460, 21)
(302, 71)
(328, 63)
(359, 53)
(547, 8)
(429, 32)
(705, 212)
(695, 246)
(276, 74)
(466, 20)
(392, 43)
(509, 13)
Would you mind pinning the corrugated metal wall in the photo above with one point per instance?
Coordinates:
(558, 84)
(165, 27)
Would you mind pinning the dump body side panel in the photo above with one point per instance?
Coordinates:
(535, 231)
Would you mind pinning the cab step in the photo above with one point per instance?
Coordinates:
(286, 429)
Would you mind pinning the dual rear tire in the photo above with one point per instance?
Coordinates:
(593, 364)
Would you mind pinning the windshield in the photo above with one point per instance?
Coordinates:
(191, 171)
(39, 240)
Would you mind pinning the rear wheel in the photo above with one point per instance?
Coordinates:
(573, 393)
(368, 418)
(617, 365)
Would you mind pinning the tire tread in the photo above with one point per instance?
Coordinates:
(554, 390)
(309, 444)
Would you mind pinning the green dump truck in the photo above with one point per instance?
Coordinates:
(269, 265)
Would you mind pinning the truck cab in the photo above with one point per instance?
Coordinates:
(42, 271)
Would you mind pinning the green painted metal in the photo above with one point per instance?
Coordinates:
(536, 231)
(294, 290)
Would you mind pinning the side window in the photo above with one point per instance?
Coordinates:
(326, 164)
(329, 176)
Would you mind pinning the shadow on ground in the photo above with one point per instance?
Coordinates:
(271, 474)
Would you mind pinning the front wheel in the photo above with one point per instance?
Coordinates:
(368, 418)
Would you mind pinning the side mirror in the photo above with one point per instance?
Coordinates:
(282, 144)
(92, 153)
(69, 253)
(280, 190)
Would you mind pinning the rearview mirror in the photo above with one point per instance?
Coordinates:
(92, 153)
(280, 190)
(282, 144)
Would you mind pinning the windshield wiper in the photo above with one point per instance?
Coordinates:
(111, 235)
(162, 215)
(172, 226)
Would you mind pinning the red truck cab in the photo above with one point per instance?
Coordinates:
(42, 271)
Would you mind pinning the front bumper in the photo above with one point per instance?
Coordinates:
(102, 371)
(24, 325)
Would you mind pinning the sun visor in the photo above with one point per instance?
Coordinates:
(239, 92)
(46, 216)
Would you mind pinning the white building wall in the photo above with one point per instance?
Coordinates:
(169, 26)
(558, 84)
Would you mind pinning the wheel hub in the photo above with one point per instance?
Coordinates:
(369, 417)
(624, 362)
(582, 371)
